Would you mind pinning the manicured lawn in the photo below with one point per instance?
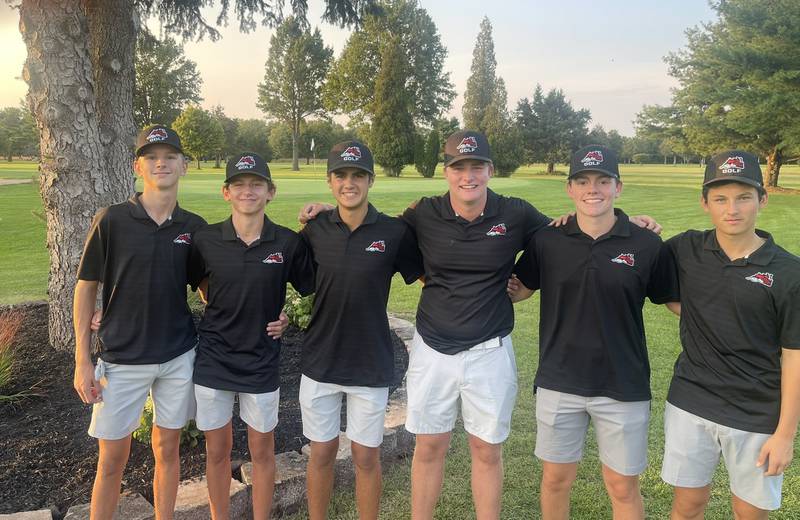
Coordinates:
(668, 193)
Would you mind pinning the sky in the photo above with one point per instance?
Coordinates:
(606, 55)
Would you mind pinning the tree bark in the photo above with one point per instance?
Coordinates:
(86, 130)
(774, 163)
(551, 167)
(295, 151)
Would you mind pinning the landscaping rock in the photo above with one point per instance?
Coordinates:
(192, 501)
(290, 481)
(42, 514)
(404, 329)
(396, 409)
(131, 506)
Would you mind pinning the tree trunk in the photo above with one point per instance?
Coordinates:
(216, 164)
(295, 151)
(86, 130)
(198, 162)
(551, 167)
(774, 163)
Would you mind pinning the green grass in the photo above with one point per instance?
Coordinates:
(668, 193)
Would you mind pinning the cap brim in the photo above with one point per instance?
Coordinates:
(256, 174)
(743, 180)
(594, 169)
(465, 157)
(146, 146)
(350, 165)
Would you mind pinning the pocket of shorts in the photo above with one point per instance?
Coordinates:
(99, 370)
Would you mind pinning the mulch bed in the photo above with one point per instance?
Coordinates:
(47, 460)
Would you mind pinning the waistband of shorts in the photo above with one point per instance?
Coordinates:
(490, 343)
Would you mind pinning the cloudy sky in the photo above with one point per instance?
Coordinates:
(607, 55)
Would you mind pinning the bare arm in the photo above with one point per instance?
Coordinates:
(517, 291)
(777, 452)
(85, 384)
(675, 307)
(311, 210)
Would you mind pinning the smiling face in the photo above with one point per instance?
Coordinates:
(733, 207)
(248, 194)
(594, 193)
(350, 187)
(468, 181)
(160, 166)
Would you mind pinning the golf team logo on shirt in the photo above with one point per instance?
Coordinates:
(498, 230)
(732, 165)
(246, 162)
(273, 258)
(379, 246)
(156, 134)
(467, 145)
(764, 279)
(592, 158)
(183, 238)
(624, 258)
(351, 153)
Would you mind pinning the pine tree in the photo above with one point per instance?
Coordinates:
(482, 82)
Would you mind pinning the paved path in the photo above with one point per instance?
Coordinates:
(9, 182)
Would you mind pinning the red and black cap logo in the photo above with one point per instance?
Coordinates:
(350, 154)
(594, 158)
(466, 144)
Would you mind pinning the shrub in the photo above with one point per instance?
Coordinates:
(190, 435)
(298, 308)
(10, 323)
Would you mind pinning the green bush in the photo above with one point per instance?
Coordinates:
(190, 435)
(298, 308)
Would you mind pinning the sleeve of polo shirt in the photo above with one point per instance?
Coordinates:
(663, 285)
(527, 267)
(789, 322)
(534, 221)
(408, 261)
(409, 216)
(301, 275)
(196, 270)
(94, 250)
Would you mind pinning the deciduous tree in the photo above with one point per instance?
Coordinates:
(253, 136)
(201, 133)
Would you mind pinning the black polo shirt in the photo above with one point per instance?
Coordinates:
(348, 341)
(144, 272)
(246, 290)
(736, 315)
(467, 266)
(591, 333)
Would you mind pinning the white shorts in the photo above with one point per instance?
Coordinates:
(692, 446)
(483, 378)
(215, 408)
(321, 406)
(621, 428)
(125, 389)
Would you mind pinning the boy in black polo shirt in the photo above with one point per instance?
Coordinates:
(139, 251)
(594, 273)
(347, 348)
(245, 263)
(736, 386)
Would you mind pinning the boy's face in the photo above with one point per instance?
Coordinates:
(468, 180)
(733, 207)
(248, 194)
(160, 166)
(350, 187)
(594, 193)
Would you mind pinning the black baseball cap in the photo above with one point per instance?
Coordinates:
(734, 165)
(350, 154)
(247, 162)
(466, 144)
(157, 134)
(594, 158)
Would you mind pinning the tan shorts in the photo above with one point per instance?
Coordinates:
(321, 406)
(215, 408)
(483, 379)
(621, 428)
(125, 389)
(693, 445)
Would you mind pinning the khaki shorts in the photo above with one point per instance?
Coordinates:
(321, 406)
(215, 408)
(621, 428)
(483, 379)
(693, 445)
(125, 389)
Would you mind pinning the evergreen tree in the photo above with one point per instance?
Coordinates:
(482, 82)
(392, 133)
(505, 140)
